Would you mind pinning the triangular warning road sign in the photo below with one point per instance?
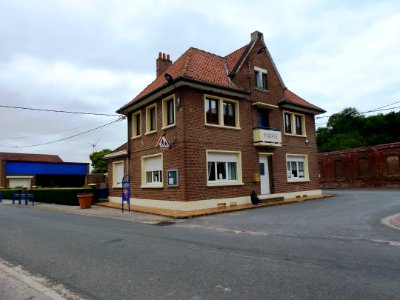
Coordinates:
(163, 142)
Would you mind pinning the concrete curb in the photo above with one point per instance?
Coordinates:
(395, 220)
(392, 221)
(174, 214)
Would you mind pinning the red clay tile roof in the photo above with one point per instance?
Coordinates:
(290, 97)
(208, 68)
(198, 65)
(232, 59)
(30, 157)
(121, 148)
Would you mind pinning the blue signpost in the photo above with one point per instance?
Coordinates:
(126, 192)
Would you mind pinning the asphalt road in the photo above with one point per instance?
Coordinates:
(325, 249)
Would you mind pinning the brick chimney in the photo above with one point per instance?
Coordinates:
(163, 62)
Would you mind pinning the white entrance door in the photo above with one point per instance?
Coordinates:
(264, 175)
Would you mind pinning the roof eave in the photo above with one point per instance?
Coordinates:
(116, 154)
(299, 107)
(176, 83)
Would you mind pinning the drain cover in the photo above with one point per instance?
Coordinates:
(165, 223)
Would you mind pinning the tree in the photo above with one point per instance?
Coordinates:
(99, 164)
(350, 129)
(349, 119)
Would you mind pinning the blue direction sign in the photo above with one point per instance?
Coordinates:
(126, 192)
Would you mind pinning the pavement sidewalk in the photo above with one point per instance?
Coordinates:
(150, 215)
(160, 216)
(97, 211)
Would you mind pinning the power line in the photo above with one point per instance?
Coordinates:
(381, 108)
(51, 132)
(69, 137)
(58, 111)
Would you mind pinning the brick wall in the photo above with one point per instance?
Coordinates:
(375, 166)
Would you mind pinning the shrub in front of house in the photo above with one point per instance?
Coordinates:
(65, 196)
(7, 193)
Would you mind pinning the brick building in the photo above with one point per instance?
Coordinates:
(374, 166)
(30, 169)
(209, 130)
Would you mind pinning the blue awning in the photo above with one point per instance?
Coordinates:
(36, 168)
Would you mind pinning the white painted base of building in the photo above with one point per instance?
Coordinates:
(210, 203)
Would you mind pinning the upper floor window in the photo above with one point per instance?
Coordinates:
(221, 112)
(263, 117)
(136, 124)
(151, 118)
(294, 123)
(261, 78)
(168, 108)
(229, 113)
(212, 115)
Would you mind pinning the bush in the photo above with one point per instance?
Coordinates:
(7, 193)
(65, 196)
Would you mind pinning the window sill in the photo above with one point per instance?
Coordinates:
(155, 186)
(296, 135)
(168, 126)
(223, 127)
(136, 137)
(150, 132)
(116, 187)
(261, 90)
(224, 184)
(298, 180)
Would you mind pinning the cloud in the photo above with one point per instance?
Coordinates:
(95, 55)
(354, 62)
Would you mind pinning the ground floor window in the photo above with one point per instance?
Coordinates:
(118, 174)
(223, 167)
(297, 167)
(152, 171)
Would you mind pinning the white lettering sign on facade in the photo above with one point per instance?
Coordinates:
(271, 136)
(265, 137)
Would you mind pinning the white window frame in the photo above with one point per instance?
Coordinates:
(220, 103)
(165, 112)
(117, 182)
(292, 116)
(297, 158)
(148, 118)
(217, 156)
(134, 124)
(258, 78)
(144, 172)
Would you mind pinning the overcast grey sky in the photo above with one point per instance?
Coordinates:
(95, 55)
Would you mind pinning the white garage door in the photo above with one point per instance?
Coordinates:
(18, 182)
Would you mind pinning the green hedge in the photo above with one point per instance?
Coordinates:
(7, 193)
(66, 196)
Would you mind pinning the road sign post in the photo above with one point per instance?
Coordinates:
(126, 192)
